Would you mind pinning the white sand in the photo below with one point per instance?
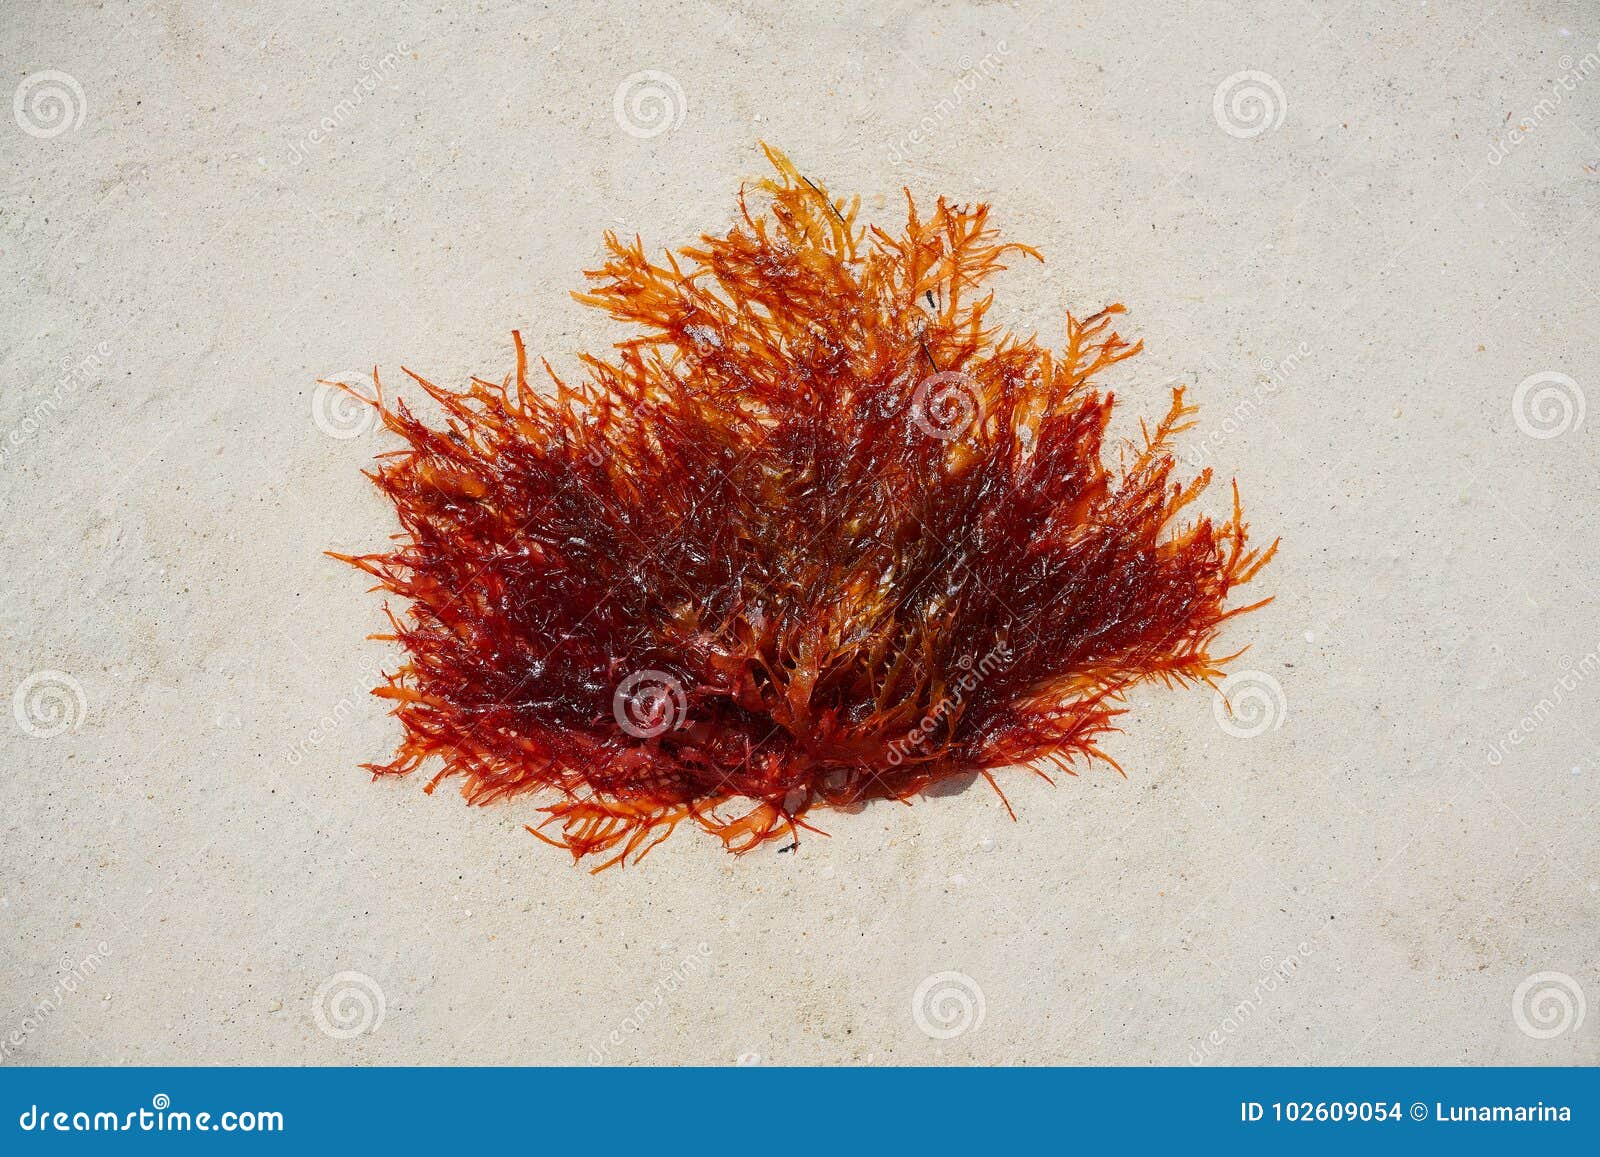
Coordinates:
(204, 842)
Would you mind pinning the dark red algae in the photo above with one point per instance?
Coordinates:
(816, 535)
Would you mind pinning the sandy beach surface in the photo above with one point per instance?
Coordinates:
(1363, 234)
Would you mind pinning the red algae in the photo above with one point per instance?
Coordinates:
(816, 535)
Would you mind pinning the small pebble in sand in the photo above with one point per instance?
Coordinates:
(987, 844)
(749, 1060)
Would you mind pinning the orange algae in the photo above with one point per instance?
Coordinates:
(816, 535)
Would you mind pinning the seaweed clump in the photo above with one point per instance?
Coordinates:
(815, 534)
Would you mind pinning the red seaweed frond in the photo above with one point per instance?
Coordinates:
(816, 534)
